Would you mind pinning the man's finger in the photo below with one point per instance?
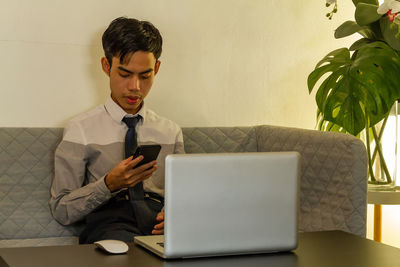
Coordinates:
(146, 166)
(160, 216)
(136, 177)
(159, 226)
(157, 232)
(126, 161)
(143, 175)
(133, 161)
(158, 229)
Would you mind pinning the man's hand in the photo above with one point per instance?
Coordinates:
(159, 228)
(125, 174)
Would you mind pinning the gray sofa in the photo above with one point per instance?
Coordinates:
(333, 177)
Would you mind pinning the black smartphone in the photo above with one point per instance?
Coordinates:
(149, 153)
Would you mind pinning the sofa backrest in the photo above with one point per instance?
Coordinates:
(333, 186)
(220, 139)
(26, 170)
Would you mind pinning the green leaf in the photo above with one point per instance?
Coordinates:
(359, 43)
(389, 33)
(367, 32)
(346, 29)
(373, 2)
(365, 85)
(329, 63)
(338, 56)
(329, 126)
(342, 106)
(376, 29)
(366, 13)
(350, 27)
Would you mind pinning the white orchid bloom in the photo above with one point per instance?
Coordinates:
(389, 5)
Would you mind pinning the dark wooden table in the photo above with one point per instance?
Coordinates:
(316, 249)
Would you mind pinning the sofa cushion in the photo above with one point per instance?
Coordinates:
(333, 176)
(219, 139)
(26, 169)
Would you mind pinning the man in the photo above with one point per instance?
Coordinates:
(94, 178)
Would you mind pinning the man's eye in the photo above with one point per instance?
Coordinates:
(145, 77)
(124, 75)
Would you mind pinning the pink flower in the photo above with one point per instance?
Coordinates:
(391, 8)
(391, 16)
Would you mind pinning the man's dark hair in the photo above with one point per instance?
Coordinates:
(126, 35)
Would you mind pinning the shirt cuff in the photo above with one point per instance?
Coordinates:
(102, 188)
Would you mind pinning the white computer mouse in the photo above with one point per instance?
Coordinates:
(112, 246)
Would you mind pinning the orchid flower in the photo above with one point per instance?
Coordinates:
(391, 8)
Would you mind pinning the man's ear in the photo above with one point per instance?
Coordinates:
(105, 66)
(157, 67)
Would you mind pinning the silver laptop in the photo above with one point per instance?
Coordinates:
(228, 204)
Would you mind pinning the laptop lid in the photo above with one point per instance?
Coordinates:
(233, 203)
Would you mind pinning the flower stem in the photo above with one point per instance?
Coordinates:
(379, 138)
(382, 159)
(370, 170)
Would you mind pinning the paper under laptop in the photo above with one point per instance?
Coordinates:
(228, 204)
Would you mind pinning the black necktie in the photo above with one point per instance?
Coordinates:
(136, 192)
(145, 216)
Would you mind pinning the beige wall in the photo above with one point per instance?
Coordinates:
(225, 62)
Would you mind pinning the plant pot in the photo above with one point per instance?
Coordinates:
(381, 142)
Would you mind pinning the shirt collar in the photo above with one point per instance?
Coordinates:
(117, 113)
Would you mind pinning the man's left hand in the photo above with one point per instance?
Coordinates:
(159, 228)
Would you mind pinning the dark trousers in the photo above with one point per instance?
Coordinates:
(118, 219)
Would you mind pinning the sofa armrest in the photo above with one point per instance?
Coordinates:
(333, 191)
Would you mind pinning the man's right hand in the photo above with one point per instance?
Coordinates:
(125, 174)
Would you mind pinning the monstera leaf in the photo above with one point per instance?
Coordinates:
(360, 89)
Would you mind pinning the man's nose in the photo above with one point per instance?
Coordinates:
(134, 83)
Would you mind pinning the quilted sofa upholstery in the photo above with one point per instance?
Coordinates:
(333, 177)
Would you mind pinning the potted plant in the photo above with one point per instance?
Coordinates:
(359, 85)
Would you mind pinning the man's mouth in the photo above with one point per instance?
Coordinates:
(133, 99)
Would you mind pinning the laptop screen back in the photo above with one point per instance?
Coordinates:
(236, 203)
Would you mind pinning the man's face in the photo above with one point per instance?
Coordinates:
(131, 82)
